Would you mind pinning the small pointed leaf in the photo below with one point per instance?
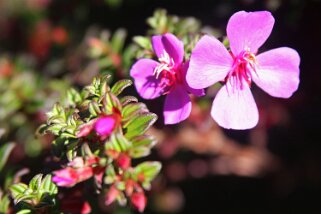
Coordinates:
(120, 85)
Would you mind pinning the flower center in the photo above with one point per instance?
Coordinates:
(243, 66)
(166, 71)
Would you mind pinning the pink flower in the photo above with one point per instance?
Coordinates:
(68, 177)
(166, 77)
(76, 172)
(275, 71)
(105, 125)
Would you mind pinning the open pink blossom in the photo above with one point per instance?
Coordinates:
(275, 71)
(166, 77)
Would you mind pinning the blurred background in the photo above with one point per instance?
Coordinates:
(48, 45)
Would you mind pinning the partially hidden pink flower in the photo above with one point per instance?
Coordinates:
(65, 177)
(76, 172)
(166, 77)
(105, 125)
(275, 71)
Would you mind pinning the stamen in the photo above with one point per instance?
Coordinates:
(166, 71)
(244, 64)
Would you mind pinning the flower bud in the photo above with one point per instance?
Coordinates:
(105, 125)
(84, 130)
(123, 161)
(111, 195)
(139, 201)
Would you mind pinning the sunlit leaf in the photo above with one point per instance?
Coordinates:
(120, 85)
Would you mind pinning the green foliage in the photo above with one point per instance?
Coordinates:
(139, 124)
(5, 150)
(76, 139)
(120, 86)
(186, 28)
(38, 196)
(118, 142)
(4, 202)
(94, 100)
(149, 170)
(111, 54)
(161, 23)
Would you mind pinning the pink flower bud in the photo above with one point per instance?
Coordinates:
(123, 161)
(105, 125)
(85, 129)
(111, 195)
(139, 201)
(86, 209)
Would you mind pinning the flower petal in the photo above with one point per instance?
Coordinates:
(278, 72)
(145, 82)
(177, 106)
(235, 109)
(210, 62)
(196, 92)
(105, 125)
(249, 30)
(171, 44)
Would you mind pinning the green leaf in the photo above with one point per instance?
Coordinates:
(143, 42)
(149, 169)
(25, 197)
(40, 192)
(94, 108)
(133, 109)
(139, 152)
(120, 85)
(73, 96)
(18, 189)
(140, 124)
(4, 203)
(5, 150)
(144, 140)
(226, 42)
(118, 40)
(56, 119)
(118, 143)
(128, 99)
(24, 211)
(71, 150)
(110, 175)
(111, 102)
(48, 186)
(142, 146)
(35, 182)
